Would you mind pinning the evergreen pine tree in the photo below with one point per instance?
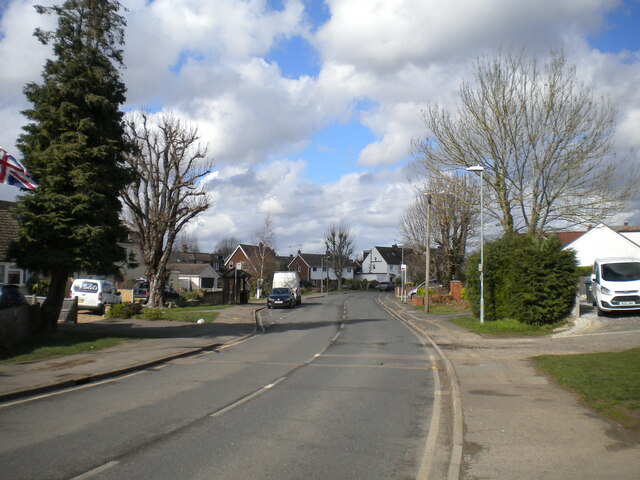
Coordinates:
(73, 147)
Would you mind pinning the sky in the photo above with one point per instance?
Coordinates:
(309, 107)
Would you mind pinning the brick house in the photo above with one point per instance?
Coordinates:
(9, 271)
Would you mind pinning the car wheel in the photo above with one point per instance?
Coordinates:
(600, 312)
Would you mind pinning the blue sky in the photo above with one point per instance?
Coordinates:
(309, 107)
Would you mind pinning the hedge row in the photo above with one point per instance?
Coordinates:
(528, 279)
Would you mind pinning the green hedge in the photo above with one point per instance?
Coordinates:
(531, 280)
(124, 310)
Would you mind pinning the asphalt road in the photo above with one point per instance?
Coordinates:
(335, 389)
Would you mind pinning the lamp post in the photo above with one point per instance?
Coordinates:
(427, 280)
(403, 297)
(480, 168)
(321, 274)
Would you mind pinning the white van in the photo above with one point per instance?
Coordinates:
(615, 284)
(288, 280)
(94, 294)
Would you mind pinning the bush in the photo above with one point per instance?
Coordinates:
(192, 296)
(149, 313)
(420, 292)
(528, 279)
(124, 310)
(40, 288)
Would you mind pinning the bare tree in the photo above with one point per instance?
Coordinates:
(453, 220)
(169, 162)
(339, 241)
(187, 242)
(226, 246)
(545, 142)
(263, 257)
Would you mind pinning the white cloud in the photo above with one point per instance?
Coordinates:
(205, 61)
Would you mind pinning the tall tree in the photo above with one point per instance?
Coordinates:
(226, 246)
(544, 140)
(169, 162)
(73, 147)
(339, 241)
(263, 258)
(453, 220)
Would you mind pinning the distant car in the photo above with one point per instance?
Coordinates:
(11, 296)
(281, 297)
(432, 283)
(141, 293)
(386, 286)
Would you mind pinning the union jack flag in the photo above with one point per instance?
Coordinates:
(12, 172)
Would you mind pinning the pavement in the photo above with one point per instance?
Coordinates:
(512, 420)
(160, 342)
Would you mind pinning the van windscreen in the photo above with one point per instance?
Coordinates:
(621, 272)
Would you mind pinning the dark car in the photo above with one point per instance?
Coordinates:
(11, 296)
(386, 286)
(141, 293)
(281, 297)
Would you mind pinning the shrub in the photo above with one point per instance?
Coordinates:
(191, 296)
(124, 310)
(420, 292)
(528, 279)
(40, 288)
(149, 313)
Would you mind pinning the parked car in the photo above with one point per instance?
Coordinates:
(414, 291)
(616, 284)
(11, 296)
(141, 293)
(281, 297)
(94, 294)
(386, 286)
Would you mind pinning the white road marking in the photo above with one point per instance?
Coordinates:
(70, 389)
(96, 471)
(246, 399)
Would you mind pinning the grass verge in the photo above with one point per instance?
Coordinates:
(609, 383)
(504, 328)
(187, 315)
(58, 345)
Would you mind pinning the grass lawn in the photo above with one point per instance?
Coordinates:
(503, 328)
(607, 382)
(58, 345)
(187, 314)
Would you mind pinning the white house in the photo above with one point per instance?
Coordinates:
(314, 268)
(194, 276)
(603, 242)
(382, 264)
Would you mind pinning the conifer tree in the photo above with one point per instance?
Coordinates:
(73, 146)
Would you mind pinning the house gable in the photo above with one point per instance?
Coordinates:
(602, 242)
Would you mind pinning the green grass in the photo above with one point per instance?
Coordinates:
(201, 308)
(58, 345)
(503, 328)
(607, 382)
(188, 315)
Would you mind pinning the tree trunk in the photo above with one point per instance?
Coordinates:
(53, 303)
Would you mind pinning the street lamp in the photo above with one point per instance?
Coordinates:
(480, 168)
(403, 297)
(428, 254)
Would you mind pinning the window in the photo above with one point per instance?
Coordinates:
(373, 267)
(14, 275)
(299, 269)
(348, 270)
(2, 273)
(315, 269)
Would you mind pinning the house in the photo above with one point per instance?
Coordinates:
(246, 255)
(602, 241)
(382, 264)
(313, 268)
(9, 271)
(194, 276)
